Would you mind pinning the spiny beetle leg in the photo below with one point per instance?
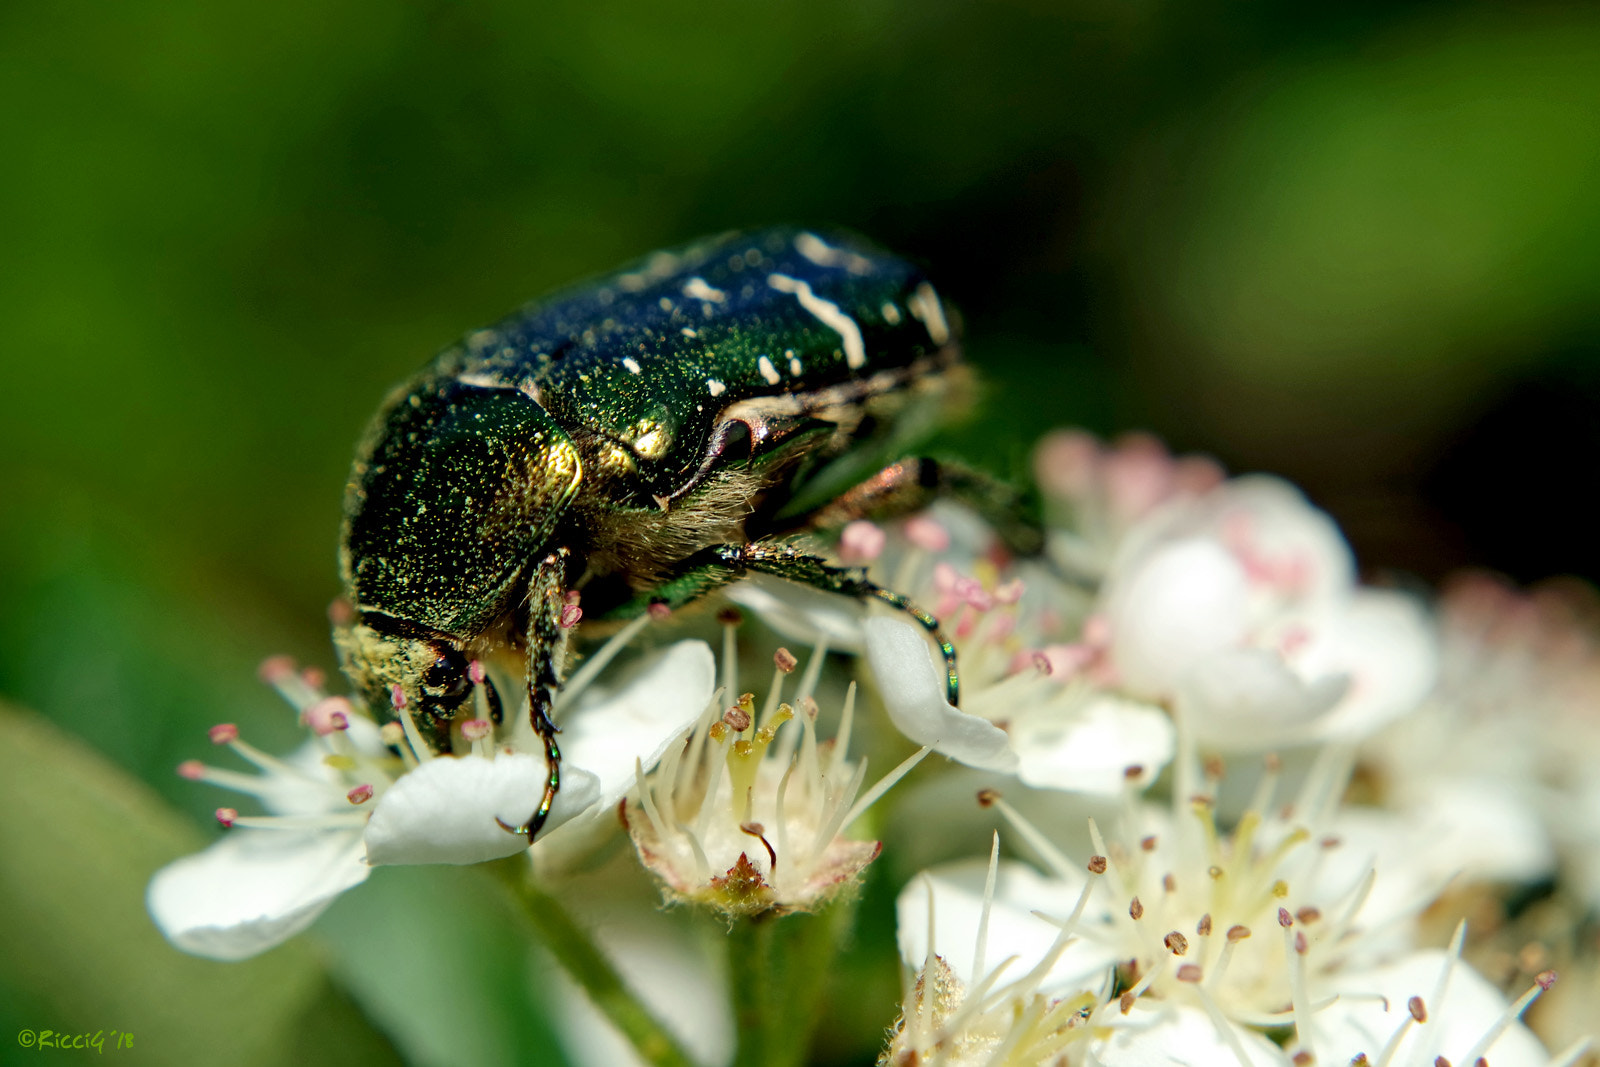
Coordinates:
(547, 647)
(783, 561)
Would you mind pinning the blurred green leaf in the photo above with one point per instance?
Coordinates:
(81, 955)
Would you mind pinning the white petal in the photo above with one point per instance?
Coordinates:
(1179, 603)
(253, 889)
(800, 614)
(445, 810)
(1160, 1035)
(639, 718)
(913, 692)
(1388, 645)
(1013, 928)
(1249, 699)
(1360, 1023)
(1483, 829)
(1088, 750)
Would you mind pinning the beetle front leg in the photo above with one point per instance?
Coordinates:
(546, 652)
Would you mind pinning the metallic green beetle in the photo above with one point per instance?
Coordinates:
(642, 438)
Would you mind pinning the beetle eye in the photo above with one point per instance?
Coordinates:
(448, 672)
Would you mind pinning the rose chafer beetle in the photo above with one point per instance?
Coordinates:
(640, 439)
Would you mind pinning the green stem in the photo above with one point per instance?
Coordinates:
(577, 953)
(777, 971)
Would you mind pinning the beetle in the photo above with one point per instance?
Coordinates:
(639, 440)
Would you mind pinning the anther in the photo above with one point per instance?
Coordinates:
(192, 769)
(223, 733)
(927, 534)
(570, 616)
(1440, 1061)
(397, 697)
(986, 799)
(861, 541)
(730, 616)
(1133, 772)
(1176, 943)
(784, 660)
(1190, 972)
(328, 715)
(313, 677)
(1097, 865)
(1307, 914)
(226, 816)
(1126, 1001)
(360, 794)
(476, 729)
(1136, 909)
(1169, 883)
(392, 733)
(1546, 979)
(1148, 843)
(658, 610)
(476, 674)
(1418, 1010)
(1300, 943)
(737, 719)
(1237, 933)
(1285, 920)
(275, 669)
(1302, 1058)
(1203, 927)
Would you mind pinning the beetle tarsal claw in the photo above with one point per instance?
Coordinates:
(508, 828)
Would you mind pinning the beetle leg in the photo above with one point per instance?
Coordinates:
(725, 564)
(915, 482)
(546, 651)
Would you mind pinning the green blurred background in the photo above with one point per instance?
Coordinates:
(1356, 243)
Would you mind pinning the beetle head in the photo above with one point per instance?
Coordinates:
(388, 660)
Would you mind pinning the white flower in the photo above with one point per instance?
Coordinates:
(1241, 606)
(344, 802)
(750, 817)
(998, 985)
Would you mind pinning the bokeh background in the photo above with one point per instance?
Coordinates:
(1357, 244)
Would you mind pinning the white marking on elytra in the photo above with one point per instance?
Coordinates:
(891, 314)
(716, 387)
(796, 368)
(924, 304)
(855, 349)
(665, 304)
(768, 371)
(698, 289)
(631, 364)
(688, 331)
(823, 254)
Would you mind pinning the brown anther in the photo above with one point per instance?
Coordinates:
(476, 673)
(743, 749)
(1203, 927)
(476, 729)
(1361, 1060)
(1418, 1010)
(784, 660)
(1300, 943)
(809, 708)
(192, 769)
(718, 731)
(730, 616)
(1307, 914)
(1200, 802)
(313, 677)
(226, 816)
(1237, 933)
(397, 697)
(1546, 979)
(737, 719)
(1331, 841)
(658, 609)
(1097, 865)
(1214, 767)
(1133, 772)
(1285, 920)
(1126, 1001)
(1148, 843)
(1532, 957)
(392, 733)
(571, 615)
(1041, 663)
(1190, 972)
(1176, 943)
(986, 799)
(1169, 883)
(360, 794)
(222, 733)
(754, 829)
(1440, 1061)
(1302, 1058)
(1136, 909)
